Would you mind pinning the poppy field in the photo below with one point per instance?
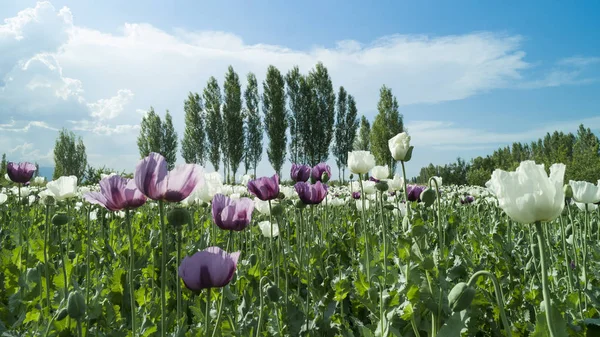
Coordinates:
(179, 253)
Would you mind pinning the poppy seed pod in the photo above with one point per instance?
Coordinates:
(460, 297)
(60, 219)
(178, 217)
(76, 305)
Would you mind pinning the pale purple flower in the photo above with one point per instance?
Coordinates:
(311, 194)
(265, 188)
(300, 172)
(116, 193)
(154, 180)
(231, 214)
(210, 268)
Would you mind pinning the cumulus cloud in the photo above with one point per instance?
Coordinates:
(111, 107)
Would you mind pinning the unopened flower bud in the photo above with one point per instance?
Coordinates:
(460, 297)
(324, 177)
(382, 186)
(568, 191)
(178, 217)
(273, 293)
(427, 197)
(76, 305)
(60, 219)
(277, 210)
(300, 204)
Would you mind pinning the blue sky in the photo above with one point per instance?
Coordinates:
(470, 75)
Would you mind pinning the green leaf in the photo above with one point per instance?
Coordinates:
(454, 325)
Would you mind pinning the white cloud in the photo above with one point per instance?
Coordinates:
(111, 107)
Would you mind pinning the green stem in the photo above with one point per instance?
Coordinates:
(163, 271)
(261, 297)
(207, 312)
(567, 262)
(586, 228)
(405, 189)
(46, 263)
(365, 231)
(384, 224)
(541, 244)
(179, 301)
(88, 279)
(64, 264)
(131, 275)
(499, 297)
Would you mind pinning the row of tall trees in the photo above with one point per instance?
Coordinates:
(226, 127)
(158, 136)
(580, 152)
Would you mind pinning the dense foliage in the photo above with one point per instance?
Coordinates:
(580, 152)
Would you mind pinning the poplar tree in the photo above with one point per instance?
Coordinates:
(214, 124)
(169, 141)
(340, 130)
(386, 125)
(254, 132)
(295, 116)
(323, 114)
(193, 144)
(70, 157)
(233, 120)
(149, 139)
(275, 117)
(362, 143)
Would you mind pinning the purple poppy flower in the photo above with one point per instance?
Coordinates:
(373, 179)
(311, 194)
(230, 214)
(210, 268)
(154, 180)
(116, 193)
(414, 192)
(467, 200)
(319, 169)
(356, 195)
(300, 172)
(20, 172)
(265, 188)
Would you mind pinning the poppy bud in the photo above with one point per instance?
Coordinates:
(461, 296)
(428, 197)
(273, 293)
(277, 210)
(60, 219)
(351, 176)
(62, 314)
(324, 177)
(389, 207)
(253, 259)
(300, 204)
(382, 186)
(178, 217)
(569, 230)
(568, 191)
(76, 305)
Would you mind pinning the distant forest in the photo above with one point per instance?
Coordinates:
(580, 152)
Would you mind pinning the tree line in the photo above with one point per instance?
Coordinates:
(302, 117)
(226, 127)
(580, 152)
